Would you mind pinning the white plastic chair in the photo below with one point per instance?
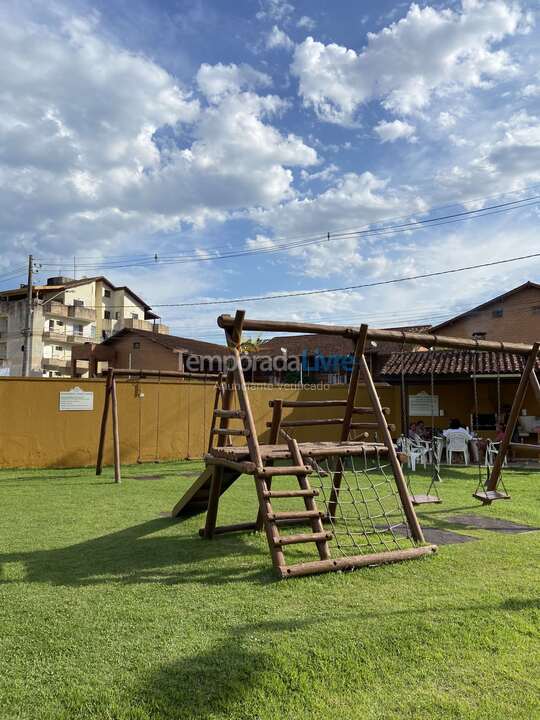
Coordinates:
(416, 452)
(457, 442)
(492, 450)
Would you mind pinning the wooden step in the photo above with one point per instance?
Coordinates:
(271, 471)
(371, 426)
(369, 410)
(290, 493)
(223, 431)
(294, 515)
(303, 538)
(230, 414)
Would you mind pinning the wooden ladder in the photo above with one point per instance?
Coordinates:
(272, 520)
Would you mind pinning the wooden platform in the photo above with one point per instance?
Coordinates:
(310, 449)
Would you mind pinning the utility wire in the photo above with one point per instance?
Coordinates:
(317, 240)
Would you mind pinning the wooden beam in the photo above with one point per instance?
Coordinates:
(275, 425)
(354, 561)
(347, 419)
(104, 418)
(535, 384)
(213, 502)
(116, 432)
(423, 339)
(135, 372)
(401, 483)
(512, 419)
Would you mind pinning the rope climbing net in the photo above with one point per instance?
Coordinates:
(361, 505)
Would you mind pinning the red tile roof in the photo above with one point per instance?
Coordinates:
(454, 362)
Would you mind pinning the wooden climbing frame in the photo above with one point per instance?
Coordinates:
(224, 464)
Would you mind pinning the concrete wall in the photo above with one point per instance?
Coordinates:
(34, 433)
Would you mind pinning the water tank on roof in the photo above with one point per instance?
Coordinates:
(59, 280)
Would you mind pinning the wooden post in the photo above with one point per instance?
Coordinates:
(401, 484)
(512, 420)
(276, 422)
(353, 384)
(347, 417)
(116, 434)
(535, 384)
(217, 398)
(104, 418)
(213, 502)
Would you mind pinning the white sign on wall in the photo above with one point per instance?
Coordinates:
(423, 405)
(76, 399)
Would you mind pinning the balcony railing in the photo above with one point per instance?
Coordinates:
(84, 314)
(55, 308)
(55, 363)
(68, 337)
(76, 312)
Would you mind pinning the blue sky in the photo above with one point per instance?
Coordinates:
(129, 129)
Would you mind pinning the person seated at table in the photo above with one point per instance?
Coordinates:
(457, 427)
(423, 431)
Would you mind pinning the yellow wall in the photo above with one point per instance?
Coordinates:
(34, 433)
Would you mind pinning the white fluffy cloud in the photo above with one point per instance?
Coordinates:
(395, 130)
(277, 38)
(100, 145)
(507, 159)
(428, 51)
(216, 81)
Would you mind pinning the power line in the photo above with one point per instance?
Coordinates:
(310, 236)
(347, 288)
(316, 240)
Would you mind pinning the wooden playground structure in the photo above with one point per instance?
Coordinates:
(355, 498)
(110, 407)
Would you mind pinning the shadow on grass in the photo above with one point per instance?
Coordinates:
(239, 673)
(128, 556)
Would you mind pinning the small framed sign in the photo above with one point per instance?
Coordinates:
(76, 399)
(423, 405)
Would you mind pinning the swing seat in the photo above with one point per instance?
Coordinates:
(424, 499)
(488, 496)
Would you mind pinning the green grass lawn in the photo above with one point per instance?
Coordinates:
(109, 610)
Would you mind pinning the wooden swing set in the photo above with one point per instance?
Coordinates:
(355, 498)
(110, 406)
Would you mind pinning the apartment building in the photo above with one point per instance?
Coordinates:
(65, 313)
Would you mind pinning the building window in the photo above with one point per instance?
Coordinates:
(107, 293)
(58, 347)
(78, 329)
(117, 316)
(51, 325)
(134, 316)
(78, 303)
(107, 314)
(136, 345)
(59, 322)
(497, 313)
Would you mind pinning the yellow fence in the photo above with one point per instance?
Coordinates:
(164, 420)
